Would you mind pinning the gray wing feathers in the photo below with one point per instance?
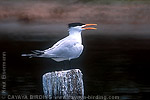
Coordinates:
(59, 49)
(62, 49)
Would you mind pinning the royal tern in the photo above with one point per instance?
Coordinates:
(67, 48)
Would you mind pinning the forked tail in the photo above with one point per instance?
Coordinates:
(35, 53)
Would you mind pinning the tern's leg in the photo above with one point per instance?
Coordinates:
(64, 65)
(70, 64)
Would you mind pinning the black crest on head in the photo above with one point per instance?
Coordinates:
(75, 24)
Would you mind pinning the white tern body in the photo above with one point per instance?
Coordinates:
(67, 48)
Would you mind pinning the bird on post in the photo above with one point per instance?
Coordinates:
(67, 48)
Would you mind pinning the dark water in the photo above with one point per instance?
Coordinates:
(111, 65)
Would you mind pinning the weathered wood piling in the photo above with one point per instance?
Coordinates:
(66, 84)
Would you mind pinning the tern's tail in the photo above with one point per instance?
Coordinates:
(35, 53)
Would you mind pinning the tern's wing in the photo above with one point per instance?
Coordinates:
(61, 48)
(59, 42)
(56, 44)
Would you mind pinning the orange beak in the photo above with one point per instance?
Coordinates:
(89, 28)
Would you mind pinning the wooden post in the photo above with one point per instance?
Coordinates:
(66, 84)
